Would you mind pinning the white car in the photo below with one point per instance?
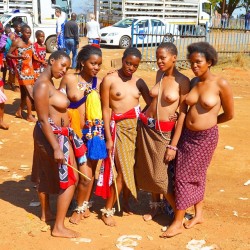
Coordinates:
(146, 30)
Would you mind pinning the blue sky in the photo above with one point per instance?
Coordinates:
(82, 6)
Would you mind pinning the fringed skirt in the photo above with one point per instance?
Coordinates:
(195, 151)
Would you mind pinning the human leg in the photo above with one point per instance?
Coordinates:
(63, 201)
(68, 46)
(126, 195)
(109, 210)
(74, 55)
(46, 214)
(177, 225)
(23, 102)
(156, 206)
(29, 102)
(198, 218)
(84, 189)
(2, 100)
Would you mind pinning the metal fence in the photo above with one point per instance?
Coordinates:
(226, 41)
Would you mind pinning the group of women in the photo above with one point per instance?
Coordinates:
(139, 143)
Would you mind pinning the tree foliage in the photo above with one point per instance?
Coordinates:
(230, 5)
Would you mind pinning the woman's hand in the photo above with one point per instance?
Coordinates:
(169, 155)
(109, 146)
(59, 156)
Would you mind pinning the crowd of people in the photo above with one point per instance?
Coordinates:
(88, 119)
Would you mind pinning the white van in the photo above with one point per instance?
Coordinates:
(150, 30)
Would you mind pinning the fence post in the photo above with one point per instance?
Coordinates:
(132, 34)
(206, 32)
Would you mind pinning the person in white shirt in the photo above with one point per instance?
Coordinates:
(93, 31)
(60, 28)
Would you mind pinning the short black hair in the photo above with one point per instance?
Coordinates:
(170, 47)
(57, 55)
(16, 23)
(203, 48)
(24, 27)
(132, 51)
(38, 32)
(85, 53)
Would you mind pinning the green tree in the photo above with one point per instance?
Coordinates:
(230, 5)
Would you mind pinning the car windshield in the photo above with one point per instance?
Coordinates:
(4, 18)
(125, 23)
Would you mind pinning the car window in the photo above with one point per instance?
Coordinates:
(142, 24)
(156, 23)
(125, 23)
(4, 18)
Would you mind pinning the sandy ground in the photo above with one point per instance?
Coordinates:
(227, 210)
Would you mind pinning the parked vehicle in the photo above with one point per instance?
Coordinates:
(191, 16)
(119, 34)
(38, 14)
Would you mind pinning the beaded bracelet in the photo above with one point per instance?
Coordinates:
(172, 147)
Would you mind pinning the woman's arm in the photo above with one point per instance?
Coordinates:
(143, 88)
(13, 47)
(41, 100)
(184, 89)
(226, 96)
(105, 96)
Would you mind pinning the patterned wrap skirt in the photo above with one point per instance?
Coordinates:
(151, 172)
(195, 151)
(125, 151)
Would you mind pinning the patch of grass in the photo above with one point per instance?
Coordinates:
(237, 60)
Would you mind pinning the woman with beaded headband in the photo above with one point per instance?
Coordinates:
(82, 89)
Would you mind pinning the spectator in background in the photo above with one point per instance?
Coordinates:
(224, 20)
(71, 36)
(60, 23)
(247, 20)
(93, 31)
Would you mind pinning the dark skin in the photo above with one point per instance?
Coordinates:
(52, 103)
(27, 98)
(90, 69)
(120, 92)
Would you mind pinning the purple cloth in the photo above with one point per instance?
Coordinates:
(195, 151)
(3, 41)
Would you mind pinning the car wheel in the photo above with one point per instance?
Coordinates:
(125, 42)
(51, 44)
(168, 38)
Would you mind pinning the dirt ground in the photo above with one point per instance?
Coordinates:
(227, 201)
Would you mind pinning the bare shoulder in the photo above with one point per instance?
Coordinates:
(68, 80)
(222, 82)
(41, 84)
(109, 79)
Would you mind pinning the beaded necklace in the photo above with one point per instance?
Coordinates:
(85, 86)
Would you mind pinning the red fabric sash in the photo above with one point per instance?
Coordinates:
(105, 178)
(157, 125)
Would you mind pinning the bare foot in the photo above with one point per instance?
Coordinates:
(174, 229)
(86, 214)
(31, 118)
(64, 233)
(16, 88)
(19, 114)
(153, 212)
(4, 126)
(75, 218)
(196, 220)
(109, 221)
(126, 209)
